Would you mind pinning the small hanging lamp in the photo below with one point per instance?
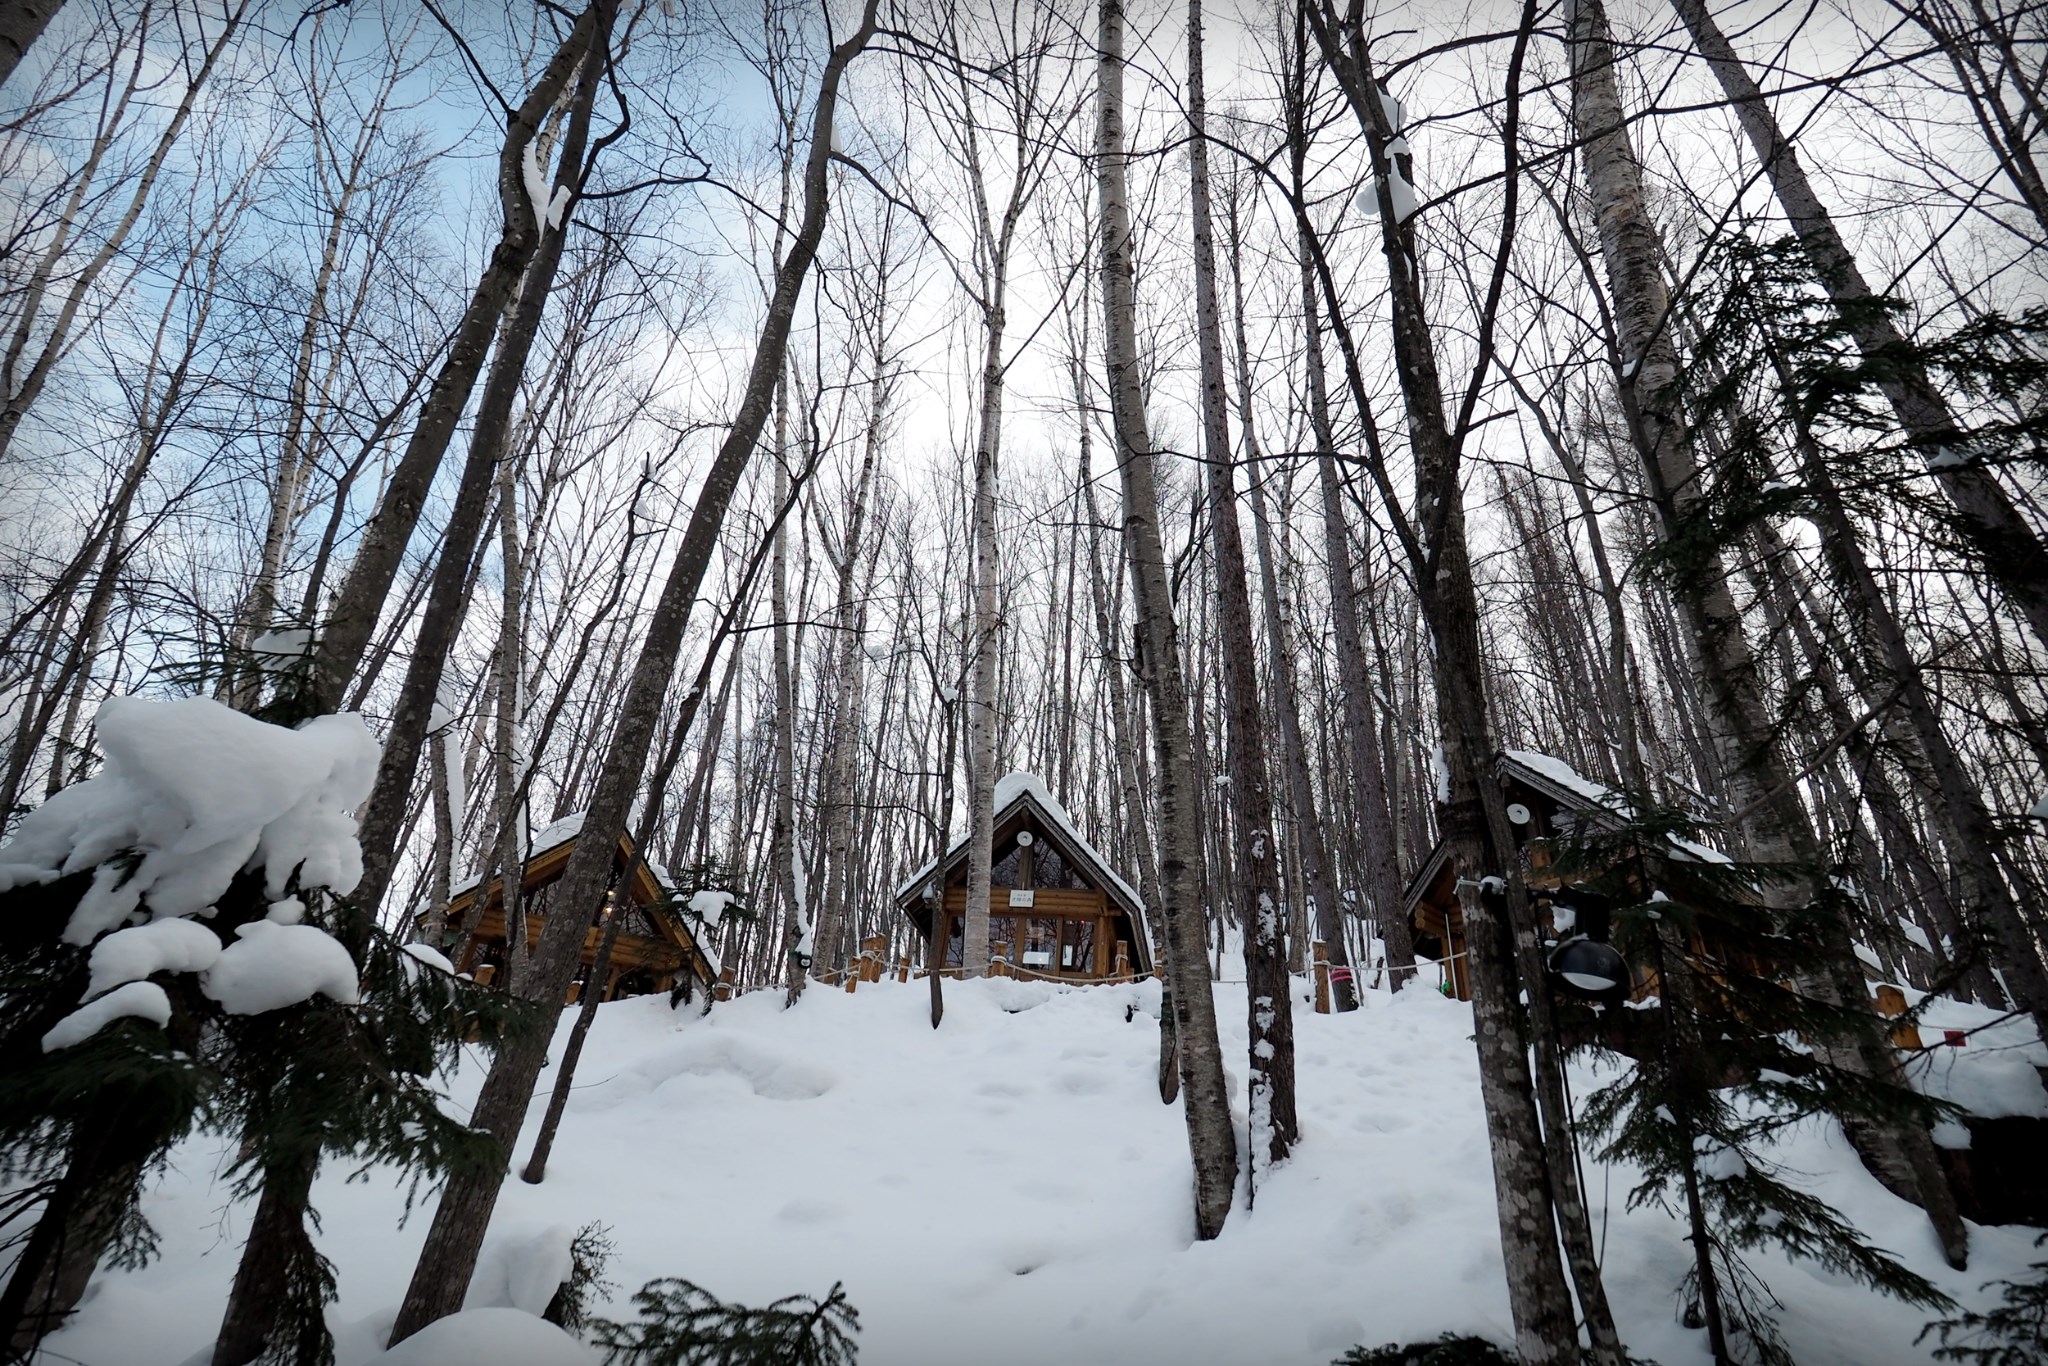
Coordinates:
(1588, 967)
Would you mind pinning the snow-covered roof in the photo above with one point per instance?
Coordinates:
(1574, 789)
(557, 833)
(553, 835)
(1018, 789)
(1556, 772)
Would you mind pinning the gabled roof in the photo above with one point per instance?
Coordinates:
(1020, 792)
(547, 857)
(1560, 782)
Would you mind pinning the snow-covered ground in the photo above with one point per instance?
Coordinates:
(1008, 1191)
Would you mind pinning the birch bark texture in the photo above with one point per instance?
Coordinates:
(1254, 872)
(1212, 1141)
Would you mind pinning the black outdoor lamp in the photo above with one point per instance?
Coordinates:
(1588, 967)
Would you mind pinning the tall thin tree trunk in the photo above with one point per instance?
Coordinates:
(1532, 1194)
(1313, 856)
(1255, 881)
(984, 644)
(848, 681)
(1988, 901)
(1374, 827)
(464, 1212)
(353, 618)
(798, 924)
(449, 588)
(1211, 1141)
(1775, 824)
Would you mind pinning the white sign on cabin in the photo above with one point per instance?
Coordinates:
(1021, 896)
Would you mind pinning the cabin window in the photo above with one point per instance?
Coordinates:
(1002, 929)
(1041, 941)
(1048, 944)
(1050, 870)
(1077, 946)
(1004, 873)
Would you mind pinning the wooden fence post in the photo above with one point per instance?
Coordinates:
(728, 982)
(1321, 952)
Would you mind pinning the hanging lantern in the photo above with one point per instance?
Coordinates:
(1588, 967)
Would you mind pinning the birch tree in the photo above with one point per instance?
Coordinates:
(1211, 1141)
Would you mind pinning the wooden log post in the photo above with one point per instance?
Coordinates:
(1321, 952)
(999, 959)
(728, 984)
(1122, 969)
(872, 949)
(903, 967)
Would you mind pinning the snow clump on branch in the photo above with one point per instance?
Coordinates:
(193, 793)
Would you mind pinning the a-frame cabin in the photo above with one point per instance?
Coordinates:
(655, 949)
(1057, 910)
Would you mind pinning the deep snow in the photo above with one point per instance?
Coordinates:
(1008, 1191)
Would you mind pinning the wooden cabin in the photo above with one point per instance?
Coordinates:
(655, 949)
(1546, 798)
(1057, 910)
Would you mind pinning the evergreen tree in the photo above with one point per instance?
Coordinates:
(1734, 1054)
(2013, 1334)
(83, 1125)
(1802, 428)
(683, 1324)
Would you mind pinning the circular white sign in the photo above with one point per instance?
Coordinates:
(1025, 838)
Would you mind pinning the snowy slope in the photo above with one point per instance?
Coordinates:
(1008, 1191)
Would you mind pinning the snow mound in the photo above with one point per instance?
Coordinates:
(521, 1267)
(1996, 1071)
(708, 905)
(501, 1337)
(271, 966)
(425, 953)
(767, 1072)
(198, 792)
